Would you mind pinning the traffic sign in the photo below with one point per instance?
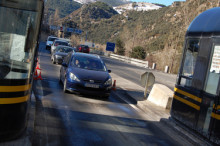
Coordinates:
(70, 30)
(53, 27)
(110, 46)
(78, 31)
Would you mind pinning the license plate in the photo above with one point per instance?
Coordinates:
(92, 85)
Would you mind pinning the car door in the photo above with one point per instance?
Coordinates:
(52, 45)
(64, 68)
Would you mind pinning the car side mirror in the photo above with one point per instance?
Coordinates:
(109, 71)
(64, 64)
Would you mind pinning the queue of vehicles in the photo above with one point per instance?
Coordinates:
(60, 53)
(80, 71)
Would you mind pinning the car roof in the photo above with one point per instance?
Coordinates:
(57, 40)
(64, 46)
(63, 39)
(83, 45)
(86, 55)
(52, 37)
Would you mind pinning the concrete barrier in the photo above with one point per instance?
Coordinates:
(161, 95)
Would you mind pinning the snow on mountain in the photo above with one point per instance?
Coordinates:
(84, 1)
(89, 1)
(139, 6)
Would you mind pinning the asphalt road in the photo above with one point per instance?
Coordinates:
(70, 119)
(133, 73)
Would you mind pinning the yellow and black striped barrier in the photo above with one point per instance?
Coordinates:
(14, 94)
(216, 112)
(187, 98)
(14, 97)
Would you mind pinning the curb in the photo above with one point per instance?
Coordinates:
(31, 118)
(129, 100)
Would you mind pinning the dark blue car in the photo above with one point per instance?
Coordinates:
(86, 74)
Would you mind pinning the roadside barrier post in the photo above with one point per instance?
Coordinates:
(154, 66)
(166, 69)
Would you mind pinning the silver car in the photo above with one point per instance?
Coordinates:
(58, 42)
(60, 53)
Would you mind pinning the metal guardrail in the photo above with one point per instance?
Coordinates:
(93, 51)
(136, 62)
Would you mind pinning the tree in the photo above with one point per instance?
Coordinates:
(70, 23)
(120, 47)
(138, 52)
(56, 16)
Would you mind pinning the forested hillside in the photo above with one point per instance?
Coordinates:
(97, 10)
(159, 32)
(65, 7)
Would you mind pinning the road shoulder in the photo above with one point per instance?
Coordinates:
(132, 94)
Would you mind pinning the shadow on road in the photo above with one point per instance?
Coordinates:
(67, 127)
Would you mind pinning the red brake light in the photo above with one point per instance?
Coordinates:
(80, 48)
(89, 49)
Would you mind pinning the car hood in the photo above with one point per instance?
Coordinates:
(61, 54)
(84, 74)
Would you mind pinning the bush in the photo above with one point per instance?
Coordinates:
(120, 47)
(138, 52)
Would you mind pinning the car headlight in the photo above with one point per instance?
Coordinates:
(109, 81)
(73, 77)
(58, 56)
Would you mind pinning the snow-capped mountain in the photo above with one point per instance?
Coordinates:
(89, 1)
(138, 6)
(84, 1)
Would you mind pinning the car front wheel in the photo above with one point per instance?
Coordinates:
(60, 81)
(53, 61)
(64, 86)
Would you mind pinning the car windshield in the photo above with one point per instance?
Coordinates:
(61, 43)
(51, 39)
(88, 63)
(64, 49)
(84, 46)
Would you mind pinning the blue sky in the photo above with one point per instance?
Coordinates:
(165, 2)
